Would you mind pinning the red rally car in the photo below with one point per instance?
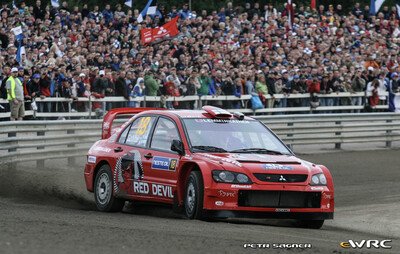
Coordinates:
(206, 163)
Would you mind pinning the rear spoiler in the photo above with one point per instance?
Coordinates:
(107, 126)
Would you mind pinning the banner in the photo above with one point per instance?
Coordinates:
(149, 35)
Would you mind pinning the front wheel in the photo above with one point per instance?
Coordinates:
(314, 224)
(194, 196)
(103, 194)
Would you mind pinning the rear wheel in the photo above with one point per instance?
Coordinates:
(315, 224)
(103, 193)
(194, 196)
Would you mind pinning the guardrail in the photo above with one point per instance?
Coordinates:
(199, 101)
(44, 140)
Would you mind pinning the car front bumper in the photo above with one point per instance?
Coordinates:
(269, 201)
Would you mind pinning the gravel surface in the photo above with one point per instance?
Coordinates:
(47, 210)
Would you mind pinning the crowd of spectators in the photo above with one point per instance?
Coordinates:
(74, 52)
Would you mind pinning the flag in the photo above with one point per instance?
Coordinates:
(20, 52)
(313, 4)
(17, 30)
(128, 3)
(144, 12)
(372, 8)
(290, 12)
(55, 3)
(13, 4)
(149, 35)
(151, 10)
(398, 8)
(378, 4)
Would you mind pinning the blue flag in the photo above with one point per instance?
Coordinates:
(372, 8)
(144, 11)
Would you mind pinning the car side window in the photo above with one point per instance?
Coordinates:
(139, 132)
(122, 138)
(164, 133)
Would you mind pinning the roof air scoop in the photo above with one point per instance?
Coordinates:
(217, 112)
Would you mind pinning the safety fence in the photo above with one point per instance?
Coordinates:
(44, 140)
(329, 103)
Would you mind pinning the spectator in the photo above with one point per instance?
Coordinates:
(151, 87)
(121, 89)
(358, 85)
(232, 41)
(15, 96)
(137, 91)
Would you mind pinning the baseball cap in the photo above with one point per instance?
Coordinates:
(102, 72)
(14, 69)
(82, 75)
(37, 75)
(394, 74)
(370, 68)
(296, 76)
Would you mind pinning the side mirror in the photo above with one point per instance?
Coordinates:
(177, 146)
(290, 146)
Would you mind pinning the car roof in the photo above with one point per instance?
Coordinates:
(192, 114)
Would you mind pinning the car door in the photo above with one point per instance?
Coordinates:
(160, 161)
(129, 174)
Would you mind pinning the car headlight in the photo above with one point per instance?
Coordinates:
(224, 176)
(318, 179)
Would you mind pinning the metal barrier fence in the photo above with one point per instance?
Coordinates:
(200, 100)
(44, 140)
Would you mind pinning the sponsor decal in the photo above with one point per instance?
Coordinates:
(282, 210)
(91, 159)
(106, 125)
(207, 120)
(277, 167)
(219, 203)
(239, 186)
(369, 244)
(317, 188)
(326, 196)
(164, 163)
(189, 116)
(227, 160)
(101, 149)
(143, 125)
(188, 157)
(277, 246)
(226, 194)
(128, 166)
(159, 190)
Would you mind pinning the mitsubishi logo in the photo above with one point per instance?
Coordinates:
(162, 30)
(282, 179)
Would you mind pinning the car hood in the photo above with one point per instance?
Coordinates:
(261, 163)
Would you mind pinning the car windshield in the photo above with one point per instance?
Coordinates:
(236, 136)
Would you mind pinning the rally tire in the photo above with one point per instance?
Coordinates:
(194, 193)
(314, 224)
(103, 192)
